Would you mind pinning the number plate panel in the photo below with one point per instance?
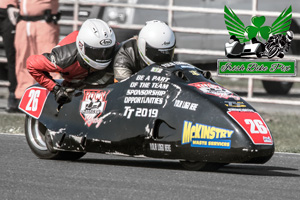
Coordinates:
(254, 126)
(33, 101)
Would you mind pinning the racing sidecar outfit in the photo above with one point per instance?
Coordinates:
(127, 60)
(65, 59)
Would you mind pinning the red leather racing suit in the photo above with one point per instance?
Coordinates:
(65, 59)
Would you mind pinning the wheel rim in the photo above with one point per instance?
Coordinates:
(36, 134)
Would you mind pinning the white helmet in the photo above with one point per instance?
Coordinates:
(156, 42)
(95, 43)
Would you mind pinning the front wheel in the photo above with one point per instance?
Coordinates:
(35, 135)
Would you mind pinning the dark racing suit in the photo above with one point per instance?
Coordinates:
(127, 60)
(65, 59)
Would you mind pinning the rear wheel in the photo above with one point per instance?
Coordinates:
(35, 133)
(201, 166)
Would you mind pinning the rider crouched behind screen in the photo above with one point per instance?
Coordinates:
(84, 56)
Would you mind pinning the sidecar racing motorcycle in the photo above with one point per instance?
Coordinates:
(167, 111)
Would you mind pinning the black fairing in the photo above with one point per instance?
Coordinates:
(148, 114)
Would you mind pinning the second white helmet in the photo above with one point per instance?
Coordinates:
(95, 43)
(156, 42)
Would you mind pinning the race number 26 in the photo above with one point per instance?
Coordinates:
(253, 125)
(256, 126)
(32, 104)
(33, 100)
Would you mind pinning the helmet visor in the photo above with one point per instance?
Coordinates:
(160, 55)
(100, 55)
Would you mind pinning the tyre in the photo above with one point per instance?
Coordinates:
(35, 133)
(275, 87)
(201, 166)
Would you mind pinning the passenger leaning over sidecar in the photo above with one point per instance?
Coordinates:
(82, 54)
(154, 44)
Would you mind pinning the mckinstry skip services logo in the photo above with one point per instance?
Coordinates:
(201, 135)
(258, 41)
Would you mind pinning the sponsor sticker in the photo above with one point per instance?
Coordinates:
(183, 64)
(205, 136)
(185, 105)
(81, 45)
(215, 90)
(160, 147)
(235, 104)
(33, 101)
(254, 126)
(105, 42)
(93, 105)
(195, 73)
(156, 70)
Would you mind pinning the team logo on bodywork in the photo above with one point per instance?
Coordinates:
(205, 136)
(215, 90)
(93, 105)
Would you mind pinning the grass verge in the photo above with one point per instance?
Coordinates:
(12, 123)
(284, 129)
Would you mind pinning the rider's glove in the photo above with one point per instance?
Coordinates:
(62, 95)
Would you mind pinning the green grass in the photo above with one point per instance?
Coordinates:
(12, 123)
(285, 129)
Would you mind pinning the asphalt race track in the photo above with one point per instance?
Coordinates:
(97, 176)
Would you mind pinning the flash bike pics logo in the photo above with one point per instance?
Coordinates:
(269, 41)
(92, 106)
